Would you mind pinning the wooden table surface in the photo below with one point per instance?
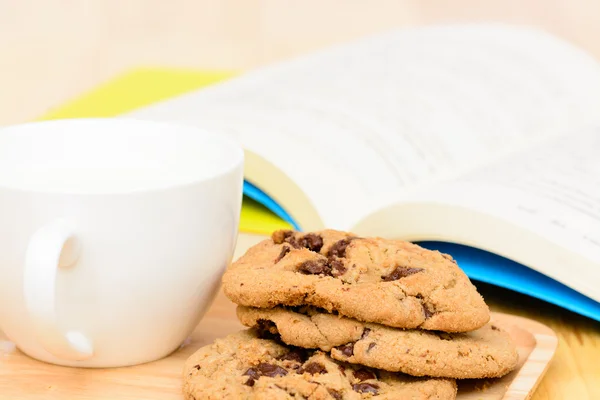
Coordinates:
(53, 50)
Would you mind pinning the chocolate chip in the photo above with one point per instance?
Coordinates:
(365, 333)
(266, 329)
(371, 345)
(400, 272)
(366, 388)
(313, 368)
(283, 253)
(253, 373)
(281, 235)
(337, 267)
(197, 366)
(312, 242)
(427, 312)
(347, 349)
(338, 249)
(263, 369)
(271, 370)
(315, 267)
(335, 394)
(364, 374)
(293, 242)
(298, 355)
(495, 328)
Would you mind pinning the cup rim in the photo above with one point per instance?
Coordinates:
(234, 150)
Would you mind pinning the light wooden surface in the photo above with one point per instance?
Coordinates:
(24, 378)
(574, 372)
(52, 50)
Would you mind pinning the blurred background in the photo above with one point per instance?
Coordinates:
(53, 50)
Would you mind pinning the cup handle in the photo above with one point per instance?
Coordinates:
(42, 261)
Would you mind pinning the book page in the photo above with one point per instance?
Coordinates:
(361, 123)
(552, 190)
(539, 207)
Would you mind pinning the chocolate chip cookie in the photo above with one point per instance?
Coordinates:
(244, 366)
(484, 353)
(391, 282)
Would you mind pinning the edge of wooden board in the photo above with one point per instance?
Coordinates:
(536, 365)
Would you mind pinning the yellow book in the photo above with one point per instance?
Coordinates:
(142, 87)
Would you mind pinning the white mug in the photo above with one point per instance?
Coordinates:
(114, 234)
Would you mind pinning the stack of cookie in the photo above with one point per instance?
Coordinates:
(336, 316)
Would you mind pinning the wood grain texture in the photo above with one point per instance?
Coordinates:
(24, 378)
(574, 372)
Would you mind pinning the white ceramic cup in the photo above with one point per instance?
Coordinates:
(114, 234)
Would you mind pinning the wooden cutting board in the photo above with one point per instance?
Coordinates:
(26, 379)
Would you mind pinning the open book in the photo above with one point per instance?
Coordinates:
(476, 135)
